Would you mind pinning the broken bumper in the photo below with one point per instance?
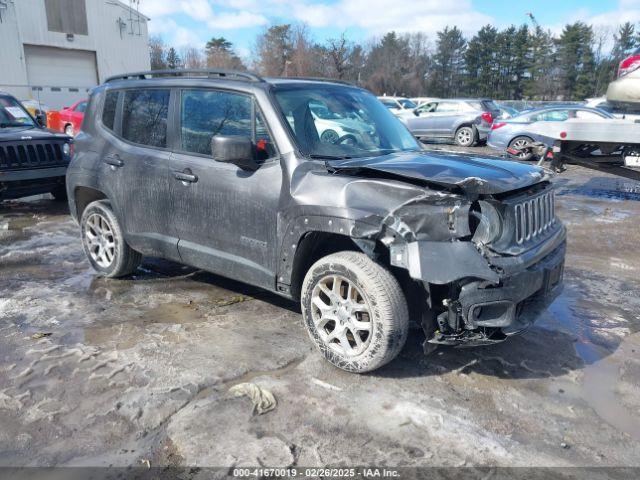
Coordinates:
(517, 301)
(493, 298)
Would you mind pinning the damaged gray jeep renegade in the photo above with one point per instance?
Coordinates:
(314, 190)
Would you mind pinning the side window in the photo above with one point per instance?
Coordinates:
(553, 116)
(447, 107)
(206, 113)
(588, 115)
(144, 119)
(389, 103)
(428, 107)
(265, 148)
(109, 110)
(81, 107)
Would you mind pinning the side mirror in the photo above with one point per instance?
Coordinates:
(234, 149)
(41, 118)
(416, 112)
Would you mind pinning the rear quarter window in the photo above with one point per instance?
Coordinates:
(144, 117)
(109, 110)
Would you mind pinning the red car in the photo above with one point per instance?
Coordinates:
(69, 119)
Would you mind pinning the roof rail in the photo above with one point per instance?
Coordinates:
(320, 79)
(209, 73)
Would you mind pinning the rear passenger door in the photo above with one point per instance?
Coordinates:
(448, 114)
(134, 167)
(225, 217)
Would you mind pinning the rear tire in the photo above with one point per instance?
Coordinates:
(519, 142)
(466, 136)
(347, 295)
(103, 242)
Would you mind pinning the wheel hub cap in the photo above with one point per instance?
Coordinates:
(341, 315)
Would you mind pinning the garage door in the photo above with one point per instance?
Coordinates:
(59, 77)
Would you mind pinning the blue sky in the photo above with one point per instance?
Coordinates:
(193, 22)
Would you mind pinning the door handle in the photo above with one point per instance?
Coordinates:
(113, 160)
(186, 176)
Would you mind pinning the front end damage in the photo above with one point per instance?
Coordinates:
(489, 264)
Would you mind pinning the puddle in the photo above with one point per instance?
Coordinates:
(15, 228)
(606, 188)
(601, 373)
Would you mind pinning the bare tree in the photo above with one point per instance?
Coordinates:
(192, 58)
(339, 51)
(157, 53)
(302, 54)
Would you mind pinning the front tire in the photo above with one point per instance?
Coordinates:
(103, 242)
(355, 311)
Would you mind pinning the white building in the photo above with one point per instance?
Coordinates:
(56, 50)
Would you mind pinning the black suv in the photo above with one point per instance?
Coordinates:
(33, 160)
(229, 172)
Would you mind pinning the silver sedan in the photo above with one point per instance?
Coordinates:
(515, 132)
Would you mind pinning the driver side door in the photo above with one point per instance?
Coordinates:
(425, 122)
(225, 217)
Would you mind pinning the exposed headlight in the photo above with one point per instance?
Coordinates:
(487, 222)
(66, 149)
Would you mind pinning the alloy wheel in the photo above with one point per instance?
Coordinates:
(100, 240)
(329, 136)
(520, 144)
(464, 136)
(341, 315)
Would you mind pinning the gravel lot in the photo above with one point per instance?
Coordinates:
(138, 370)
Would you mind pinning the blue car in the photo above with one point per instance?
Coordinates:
(515, 132)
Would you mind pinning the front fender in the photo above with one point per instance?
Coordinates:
(299, 227)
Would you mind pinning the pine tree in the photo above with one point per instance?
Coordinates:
(575, 56)
(173, 59)
(625, 42)
(219, 54)
(540, 82)
(480, 60)
(447, 79)
(388, 65)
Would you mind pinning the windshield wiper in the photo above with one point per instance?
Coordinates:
(329, 157)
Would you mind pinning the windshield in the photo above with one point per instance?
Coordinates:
(329, 121)
(406, 103)
(490, 105)
(12, 114)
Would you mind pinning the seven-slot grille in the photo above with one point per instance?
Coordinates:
(31, 154)
(534, 216)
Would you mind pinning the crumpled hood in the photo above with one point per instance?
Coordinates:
(471, 173)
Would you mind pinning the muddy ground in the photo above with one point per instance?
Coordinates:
(137, 371)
